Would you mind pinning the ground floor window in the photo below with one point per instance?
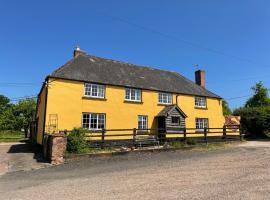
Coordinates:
(201, 124)
(142, 122)
(93, 121)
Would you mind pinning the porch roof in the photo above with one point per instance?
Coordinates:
(167, 110)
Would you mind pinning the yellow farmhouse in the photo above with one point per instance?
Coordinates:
(97, 93)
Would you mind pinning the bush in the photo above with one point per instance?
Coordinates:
(255, 121)
(191, 141)
(76, 142)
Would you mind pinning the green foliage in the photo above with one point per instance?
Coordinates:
(255, 116)
(8, 120)
(260, 97)
(226, 109)
(191, 141)
(4, 103)
(255, 120)
(76, 142)
(23, 111)
(16, 116)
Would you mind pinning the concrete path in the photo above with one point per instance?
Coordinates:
(18, 157)
(238, 172)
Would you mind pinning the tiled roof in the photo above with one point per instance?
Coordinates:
(90, 68)
(167, 109)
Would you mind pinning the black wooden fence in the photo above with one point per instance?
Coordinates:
(130, 137)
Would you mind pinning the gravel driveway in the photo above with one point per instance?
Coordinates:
(240, 172)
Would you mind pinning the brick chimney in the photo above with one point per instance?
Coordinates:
(78, 52)
(200, 78)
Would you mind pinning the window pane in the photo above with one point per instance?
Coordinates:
(176, 120)
(85, 121)
(93, 121)
(133, 94)
(127, 93)
(165, 98)
(142, 122)
(200, 102)
(94, 90)
(101, 121)
(201, 123)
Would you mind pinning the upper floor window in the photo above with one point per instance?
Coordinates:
(133, 94)
(94, 90)
(93, 121)
(165, 98)
(201, 124)
(142, 122)
(200, 102)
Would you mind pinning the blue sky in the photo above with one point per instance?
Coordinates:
(227, 38)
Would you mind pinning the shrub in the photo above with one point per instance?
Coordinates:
(255, 121)
(191, 141)
(76, 142)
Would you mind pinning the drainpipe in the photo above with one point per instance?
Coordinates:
(177, 99)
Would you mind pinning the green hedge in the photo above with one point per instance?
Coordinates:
(255, 121)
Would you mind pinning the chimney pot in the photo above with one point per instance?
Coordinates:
(78, 52)
(200, 78)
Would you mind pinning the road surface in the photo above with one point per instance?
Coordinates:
(240, 172)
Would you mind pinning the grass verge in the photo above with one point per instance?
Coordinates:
(12, 136)
(203, 146)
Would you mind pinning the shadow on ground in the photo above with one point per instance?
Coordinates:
(28, 148)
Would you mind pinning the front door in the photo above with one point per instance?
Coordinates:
(161, 128)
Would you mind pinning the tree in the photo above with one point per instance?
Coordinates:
(4, 103)
(255, 121)
(8, 120)
(23, 111)
(226, 109)
(260, 97)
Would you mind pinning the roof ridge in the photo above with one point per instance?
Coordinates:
(131, 64)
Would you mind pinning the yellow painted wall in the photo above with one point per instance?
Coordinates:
(65, 98)
(40, 114)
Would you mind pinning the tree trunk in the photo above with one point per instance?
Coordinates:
(25, 132)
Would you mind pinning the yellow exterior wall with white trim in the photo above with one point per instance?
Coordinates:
(66, 99)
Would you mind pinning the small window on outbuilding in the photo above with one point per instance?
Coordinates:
(175, 120)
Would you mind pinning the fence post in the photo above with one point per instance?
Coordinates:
(205, 135)
(224, 133)
(102, 138)
(134, 136)
(185, 135)
(240, 134)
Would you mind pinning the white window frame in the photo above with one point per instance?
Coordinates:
(132, 94)
(200, 102)
(201, 124)
(164, 98)
(94, 90)
(142, 122)
(100, 119)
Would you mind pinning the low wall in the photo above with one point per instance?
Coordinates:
(54, 148)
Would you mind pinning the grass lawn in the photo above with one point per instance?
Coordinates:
(11, 136)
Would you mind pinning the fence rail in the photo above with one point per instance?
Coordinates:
(162, 135)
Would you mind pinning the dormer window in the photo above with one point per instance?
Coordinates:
(94, 90)
(164, 98)
(200, 102)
